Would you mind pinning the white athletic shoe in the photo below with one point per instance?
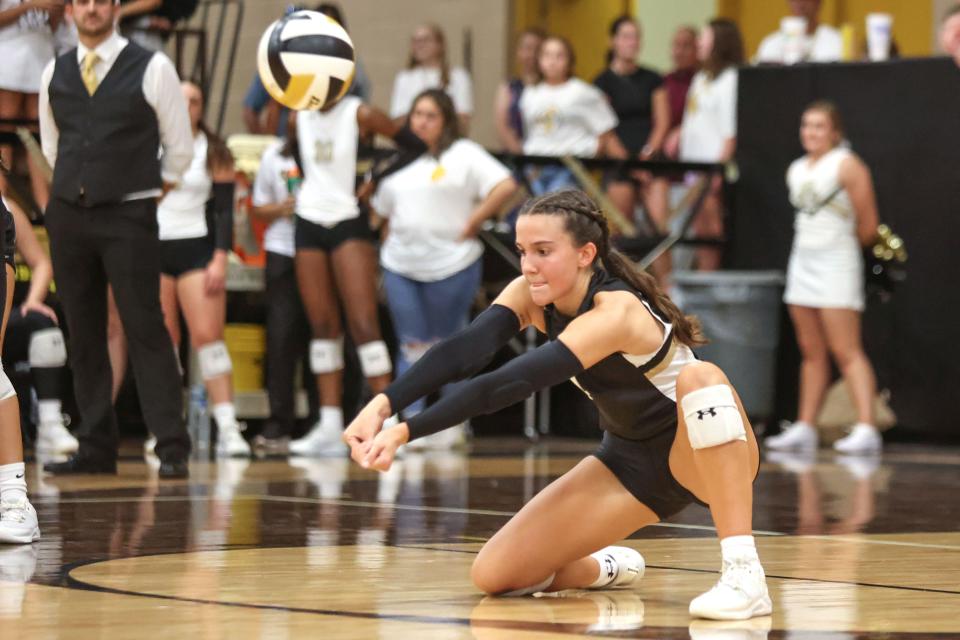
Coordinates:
(230, 444)
(53, 437)
(320, 441)
(863, 439)
(619, 567)
(18, 521)
(741, 593)
(798, 436)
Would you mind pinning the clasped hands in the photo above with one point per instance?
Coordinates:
(372, 446)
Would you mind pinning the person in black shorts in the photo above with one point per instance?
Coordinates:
(675, 430)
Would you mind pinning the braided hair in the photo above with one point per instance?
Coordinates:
(585, 222)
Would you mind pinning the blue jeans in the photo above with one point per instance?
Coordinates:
(550, 178)
(425, 313)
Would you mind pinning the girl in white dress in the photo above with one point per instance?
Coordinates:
(832, 191)
(26, 46)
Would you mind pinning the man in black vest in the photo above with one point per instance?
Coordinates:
(106, 108)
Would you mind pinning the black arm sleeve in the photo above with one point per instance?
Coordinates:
(409, 148)
(543, 367)
(458, 357)
(223, 215)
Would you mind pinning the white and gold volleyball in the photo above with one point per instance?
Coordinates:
(306, 60)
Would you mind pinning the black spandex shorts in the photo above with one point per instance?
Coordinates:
(310, 235)
(178, 257)
(643, 467)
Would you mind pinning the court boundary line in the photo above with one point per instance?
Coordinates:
(847, 538)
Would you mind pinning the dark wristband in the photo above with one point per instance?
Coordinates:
(223, 194)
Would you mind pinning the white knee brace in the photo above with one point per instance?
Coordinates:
(326, 356)
(47, 348)
(6, 387)
(712, 417)
(374, 359)
(214, 360)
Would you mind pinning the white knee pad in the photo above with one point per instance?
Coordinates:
(326, 356)
(374, 359)
(47, 348)
(214, 360)
(6, 387)
(712, 417)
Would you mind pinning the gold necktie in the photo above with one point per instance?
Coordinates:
(86, 72)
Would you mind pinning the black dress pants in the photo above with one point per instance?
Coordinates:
(116, 244)
(288, 342)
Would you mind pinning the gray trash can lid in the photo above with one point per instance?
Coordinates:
(727, 278)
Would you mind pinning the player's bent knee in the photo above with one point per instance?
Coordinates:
(699, 374)
(712, 416)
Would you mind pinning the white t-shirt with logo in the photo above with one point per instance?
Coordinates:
(565, 119)
(825, 45)
(409, 83)
(270, 187)
(428, 204)
(709, 116)
(26, 47)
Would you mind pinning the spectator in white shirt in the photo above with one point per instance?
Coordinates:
(565, 116)
(709, 129)
(822, 42)
(431, 257)
(429, 68)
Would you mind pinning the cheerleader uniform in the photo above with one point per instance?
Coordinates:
(26, 46)
(826, 263)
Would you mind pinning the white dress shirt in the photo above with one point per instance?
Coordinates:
(825, 45)
(161, 90)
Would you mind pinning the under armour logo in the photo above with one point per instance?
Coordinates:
(703, 412)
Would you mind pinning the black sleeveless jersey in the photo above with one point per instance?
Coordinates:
(635, 394)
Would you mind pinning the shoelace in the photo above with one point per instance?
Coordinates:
(15, 511)
(734, 573)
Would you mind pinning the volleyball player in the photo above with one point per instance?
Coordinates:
(18, 518)
(194, 267)
(675, 430)
(34, 344)
(336, 257)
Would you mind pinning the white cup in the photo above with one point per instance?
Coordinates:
(794, 30)
(879, 35)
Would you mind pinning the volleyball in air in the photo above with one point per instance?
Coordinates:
(306, 60)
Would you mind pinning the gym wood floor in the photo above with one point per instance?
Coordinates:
(853, 548)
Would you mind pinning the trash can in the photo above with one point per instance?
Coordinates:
(740, 314)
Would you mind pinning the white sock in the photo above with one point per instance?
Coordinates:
(225, 414)
(739, 547)
(49, 412)
(13, 484)
(802, 423)
(331, 418)
(866, 425)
